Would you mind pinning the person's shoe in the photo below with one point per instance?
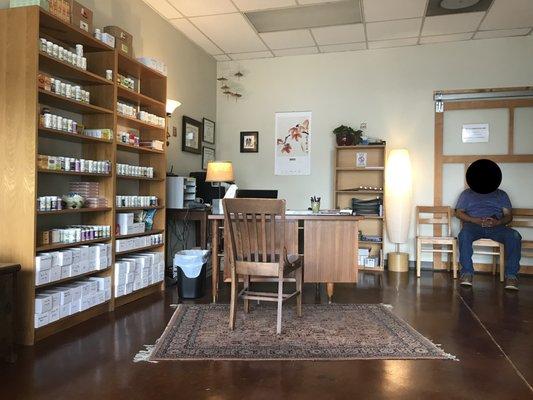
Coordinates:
(511, 284)
(466, 280)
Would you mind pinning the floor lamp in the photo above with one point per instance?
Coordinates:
(398, 205)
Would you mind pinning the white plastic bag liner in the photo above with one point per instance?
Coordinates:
(191, 261)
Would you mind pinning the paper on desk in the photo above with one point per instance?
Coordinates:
(231, 192)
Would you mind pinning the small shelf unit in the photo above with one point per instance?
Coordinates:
(347, 180)
(23, 181)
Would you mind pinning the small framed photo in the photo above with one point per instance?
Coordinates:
(191, 138)
(249, 142)
(209, 131)
(361, 160)
(208, 155)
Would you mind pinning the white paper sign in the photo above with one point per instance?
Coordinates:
(293, 143)
(475, 133)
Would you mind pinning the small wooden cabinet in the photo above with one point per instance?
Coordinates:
(8, 283)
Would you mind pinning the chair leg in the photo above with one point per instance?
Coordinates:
(454, 259)
(299, 280)
(233, 302)
(494, 261)
(246, 279)
(418, 255)
(502, 263)
(280, 303)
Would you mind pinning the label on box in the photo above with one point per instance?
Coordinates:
(42, 277)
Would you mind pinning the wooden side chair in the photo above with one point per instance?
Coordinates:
(257, 249)
(435, 216)
(495, 250)
(523, 218)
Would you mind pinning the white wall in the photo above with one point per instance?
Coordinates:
(390, 89)
(191, 71)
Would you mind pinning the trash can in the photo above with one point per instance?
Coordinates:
(191, 268)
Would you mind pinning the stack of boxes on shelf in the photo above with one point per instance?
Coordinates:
(63, 301)
(139, 242)
(58, 265)
(90, 192)
(138, 271)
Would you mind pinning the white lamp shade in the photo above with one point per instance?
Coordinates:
(172, 105)
(398, 195)
(220, 171)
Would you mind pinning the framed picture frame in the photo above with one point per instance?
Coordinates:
(209, 131)
(191, 135)
(208, 155)
(250, 142)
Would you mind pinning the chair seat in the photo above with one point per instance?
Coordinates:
(486, 242)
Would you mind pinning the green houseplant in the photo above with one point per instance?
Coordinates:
(347, 136)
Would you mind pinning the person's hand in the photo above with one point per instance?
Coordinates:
(489, 222)
(477, 221)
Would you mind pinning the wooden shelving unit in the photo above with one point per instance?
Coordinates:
(348, 178)
(21, 181)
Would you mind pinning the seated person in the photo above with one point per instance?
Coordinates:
(485, 215)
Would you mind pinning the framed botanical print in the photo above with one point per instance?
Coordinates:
(209, 131)
(208, 155)
(191, 138)
(249, 142)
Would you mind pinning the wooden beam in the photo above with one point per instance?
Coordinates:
(437, 196)
(486, 104)
(510, 133)
(497, 158)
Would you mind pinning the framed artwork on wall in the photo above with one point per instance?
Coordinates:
(209, 131)
(208, 155)
(249, 142)
(191, 137)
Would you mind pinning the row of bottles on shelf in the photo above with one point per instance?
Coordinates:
(72, 164)
(62, 88)
(72, 56)
(137, 201)
(132, 111)
(80, 195)
(74, 234)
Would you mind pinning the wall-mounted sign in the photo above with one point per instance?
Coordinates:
(475, 133)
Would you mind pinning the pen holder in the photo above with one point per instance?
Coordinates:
(315, 206)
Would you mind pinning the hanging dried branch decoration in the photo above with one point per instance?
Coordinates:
(221, 79)
(238, 74)
(224, 87)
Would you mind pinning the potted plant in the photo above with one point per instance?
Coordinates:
(347, 136)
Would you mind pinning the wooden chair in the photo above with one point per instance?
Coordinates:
(523, 218)
(437, 216)
(257, 248)
(495, 250)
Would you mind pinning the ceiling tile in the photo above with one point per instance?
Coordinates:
(195, 35)
(296, 52)
(383, 10)
(501, 33)
(455, 23)
(164, 8)
(222, 57)
(339, 34)
(252, 5)
(392, 43)
(508, 14)
(446, 38)
(193, 8)
(343, 47)
(393, 29)
(230, 32)
(288, 39)
(251, 56)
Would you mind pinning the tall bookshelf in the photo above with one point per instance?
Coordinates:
(23, 139)
(347, 182)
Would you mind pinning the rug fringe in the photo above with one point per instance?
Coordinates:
(144, 355)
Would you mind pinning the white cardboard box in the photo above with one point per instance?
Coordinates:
(56, 298)
(66, 271)
(42, 277)
(41, 319)
(43, 303)
(75, 307)
(120, 290)
(128, 288)
(43, 262)
(64, 310)
(64, 257)
(54, 315)
(55, 274)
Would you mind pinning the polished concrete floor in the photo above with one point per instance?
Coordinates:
(489, 330)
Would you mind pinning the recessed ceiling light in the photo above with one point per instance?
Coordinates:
(302, 17)
(457, 4)
(447, 7)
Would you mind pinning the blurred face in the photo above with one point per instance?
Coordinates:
(483, 176)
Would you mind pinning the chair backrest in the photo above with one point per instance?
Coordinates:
(434, 215)
(522, 218)
(251, 224)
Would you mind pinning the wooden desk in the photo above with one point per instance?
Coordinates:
(329, 249)
(8, 283)
(199, 216)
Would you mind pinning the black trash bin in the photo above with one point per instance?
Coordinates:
(191, 269)
(191, 288)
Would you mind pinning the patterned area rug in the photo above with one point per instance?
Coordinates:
(325, 332)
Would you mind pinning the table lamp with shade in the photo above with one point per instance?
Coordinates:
(170, 108)
(398, 204)
(219, 172)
